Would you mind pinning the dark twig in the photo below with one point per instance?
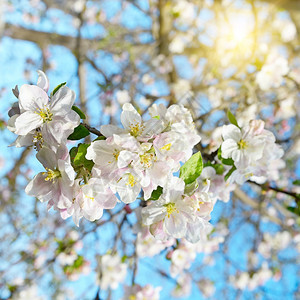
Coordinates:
(92, 129)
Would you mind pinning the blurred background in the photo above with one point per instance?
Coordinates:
(210, 56)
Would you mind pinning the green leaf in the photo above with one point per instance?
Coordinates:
(156, 193)
(57, 88)
(79, 112)
(190, 188)
(73, 152)
(230, 172)
(79, 133)
(192, 169)
(99, 138)
(80, 160)
(232, 118)
(78, 262)
(296, 182)
(218, 167)
(225, 161)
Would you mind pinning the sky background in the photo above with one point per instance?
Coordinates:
(13, 61)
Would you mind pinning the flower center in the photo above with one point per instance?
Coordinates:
(131, 180)
(242, 144)
(147, 159)
(45, 114)
(136, 129)
(116, 154)
(171, 208)
(38, 140)
(89, 197)
(166, 147)
(51, 174)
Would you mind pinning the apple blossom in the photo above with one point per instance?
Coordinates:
(55, 118)
(54, 185)
(111, 272)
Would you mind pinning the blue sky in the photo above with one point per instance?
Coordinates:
(13, 55)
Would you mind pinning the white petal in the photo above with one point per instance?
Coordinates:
(47, 158)
(62, 101)
(175, 225)
(130, 116)
(110, 130)
(32, 97)
(38, 186)
(228, 147)
(153, 214)
(231, 132)
(43, 81)
(26, 122)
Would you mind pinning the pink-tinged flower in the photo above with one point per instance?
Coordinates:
(127, 186)
(111, 155)
(148, 245)
(241, 145)
(177, 215)
(153, 172)
(136, 292)
(184, 286)
(54, 185)
(55, 119)
(112, 272)
(133, 125)
(35, 136)
(215, 185)
(170, 209)
(89, 201)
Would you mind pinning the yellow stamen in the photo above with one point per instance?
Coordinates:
(131, 180)
(116, 154)
(242, 144)
(45, 114)
(136, 129)
(51, 174)
(38, 140)
(89, 197)
(147, 159)
(166, 147)
(171, 208)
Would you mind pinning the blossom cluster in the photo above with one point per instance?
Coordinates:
(141, 158)
(253, 151)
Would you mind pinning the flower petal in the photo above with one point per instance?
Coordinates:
(62, 101)
(26, 122)
(32, 97)
(43, 81)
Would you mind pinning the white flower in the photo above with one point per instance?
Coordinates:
(218, 189)
(111, 155)
(89, 200)
(123, 97)
(184, 286)
(127, 186)
(271, 74)
(240, 145)
(30, 292)
(170, 209)
(112, 272)
(54, 185)
(55, 119)
(133, 125)
(148, 245)
(136, 292)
